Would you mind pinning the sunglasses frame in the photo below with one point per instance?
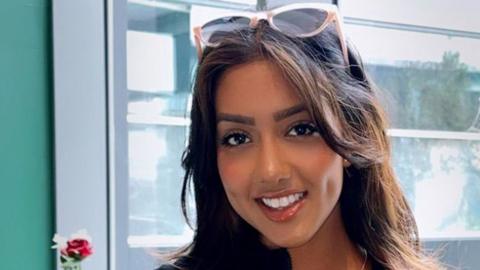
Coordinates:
(333, 15)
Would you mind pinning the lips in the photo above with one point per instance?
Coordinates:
(282, 207)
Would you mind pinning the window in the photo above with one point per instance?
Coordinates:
(423, 56)
(426, 66)
(160, 60)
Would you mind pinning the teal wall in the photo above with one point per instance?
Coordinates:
(26, 156)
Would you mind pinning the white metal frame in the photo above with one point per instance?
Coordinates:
(116, 25)
(458, 251)
(80, 123)
(90, 126)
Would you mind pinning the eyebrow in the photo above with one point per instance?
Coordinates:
(282, 114)
(247, 120)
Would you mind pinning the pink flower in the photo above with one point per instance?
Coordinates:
(78, 249)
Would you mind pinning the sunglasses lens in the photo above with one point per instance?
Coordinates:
(300, 21)
(214, 31)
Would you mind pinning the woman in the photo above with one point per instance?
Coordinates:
(288, 153)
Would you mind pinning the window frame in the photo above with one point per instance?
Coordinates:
(80, 120)
(453, 251)
(89, 49)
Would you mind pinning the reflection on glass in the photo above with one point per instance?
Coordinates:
(433, 13)
(152, 152)
(160, 58)
(429, 95)
(431, 81)
(442, 181)
(151, 63)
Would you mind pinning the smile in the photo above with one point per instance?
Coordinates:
(282, 202)
(284, 208)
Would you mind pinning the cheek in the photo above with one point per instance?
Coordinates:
(234, 173)
(322, 167)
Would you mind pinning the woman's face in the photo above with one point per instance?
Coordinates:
(277, 171)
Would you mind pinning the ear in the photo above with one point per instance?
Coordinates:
(346, 163)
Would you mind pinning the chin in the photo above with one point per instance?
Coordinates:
(285, 241)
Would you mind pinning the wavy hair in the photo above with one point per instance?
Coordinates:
(344, 103)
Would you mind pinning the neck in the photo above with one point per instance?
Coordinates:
(330, 248)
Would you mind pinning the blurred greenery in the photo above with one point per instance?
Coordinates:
(434, 96)
(471, 191)
(428, 95)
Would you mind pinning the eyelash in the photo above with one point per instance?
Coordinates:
(312, 130)
(230, 135)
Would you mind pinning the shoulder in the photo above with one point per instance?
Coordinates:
(166, 267)
(182, 263)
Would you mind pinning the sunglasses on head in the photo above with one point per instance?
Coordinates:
(295, 20)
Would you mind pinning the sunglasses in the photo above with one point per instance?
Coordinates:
(295, 20)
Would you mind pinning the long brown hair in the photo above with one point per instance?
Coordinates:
(343, 101)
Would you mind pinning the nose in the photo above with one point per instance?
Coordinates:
(272, 162)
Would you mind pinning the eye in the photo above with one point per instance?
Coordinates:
(303, 129)
(235, 139)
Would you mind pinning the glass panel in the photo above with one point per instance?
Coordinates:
(155, 172)
(160, 60)
(431, 81)
(433, 13)
(443, 185)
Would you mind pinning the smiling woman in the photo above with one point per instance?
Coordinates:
(278, 173)
(289, 157)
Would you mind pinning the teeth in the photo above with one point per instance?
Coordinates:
(275, 203)
(282, 201)
(291, 198)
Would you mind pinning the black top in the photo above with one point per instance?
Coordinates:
(277, 259)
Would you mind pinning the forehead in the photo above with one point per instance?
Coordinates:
(254, 87)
